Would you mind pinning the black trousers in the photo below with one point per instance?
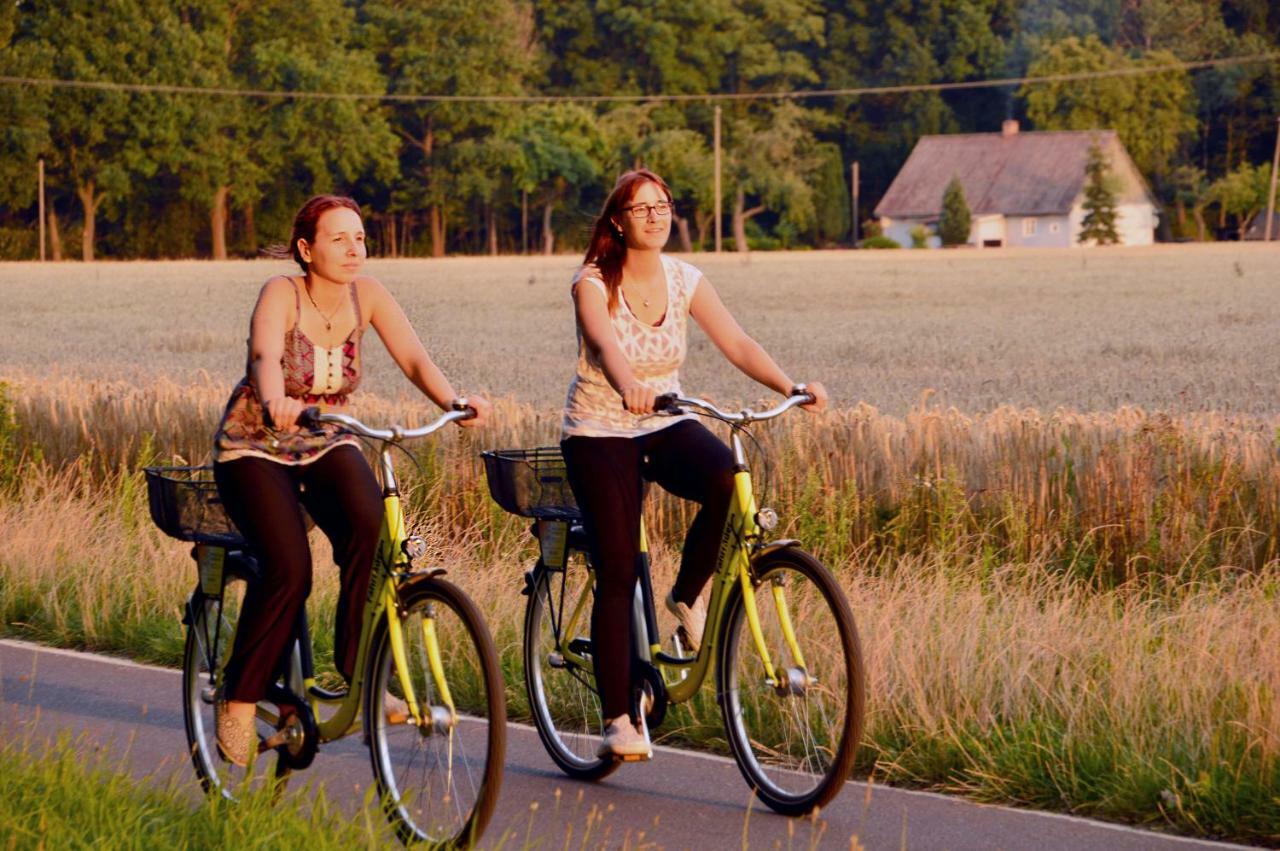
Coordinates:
(265, 501)
(607, 475)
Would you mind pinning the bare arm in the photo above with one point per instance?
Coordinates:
(267, 327)
(739, 348)
(406, 349)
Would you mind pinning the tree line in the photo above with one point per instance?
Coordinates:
(153, 174)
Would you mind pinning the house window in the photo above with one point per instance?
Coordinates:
(1029, 227)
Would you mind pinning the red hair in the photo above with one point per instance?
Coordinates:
(607, 249)
(308, 216)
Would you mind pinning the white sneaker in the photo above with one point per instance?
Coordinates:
(623, 741)
(693, 619)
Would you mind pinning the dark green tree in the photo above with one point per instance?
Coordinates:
(1154, 113)
(955, 221)
(1099, 224)
(451, 47)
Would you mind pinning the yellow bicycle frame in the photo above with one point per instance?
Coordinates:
(389, 569)
(683, 678)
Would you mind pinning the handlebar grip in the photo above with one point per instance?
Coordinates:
(460, 404)
(308, 419)
(665, 402)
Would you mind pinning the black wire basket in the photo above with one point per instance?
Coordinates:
(185, 505)
(530, 482)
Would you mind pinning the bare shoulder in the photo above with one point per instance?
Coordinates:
(371, 292)
(277, 294)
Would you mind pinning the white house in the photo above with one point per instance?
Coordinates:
(1023, 189)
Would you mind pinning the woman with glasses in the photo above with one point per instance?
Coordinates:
(632, 304)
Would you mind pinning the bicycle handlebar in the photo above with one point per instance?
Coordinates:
(313, 416)
(671, 402)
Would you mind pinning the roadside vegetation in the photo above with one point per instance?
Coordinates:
(1075, 612)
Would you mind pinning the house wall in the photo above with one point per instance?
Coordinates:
(986, 228)
(1051, 232)
(1136, 223)
(899, 230)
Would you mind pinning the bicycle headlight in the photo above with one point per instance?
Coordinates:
(414, 546)
(767, 519)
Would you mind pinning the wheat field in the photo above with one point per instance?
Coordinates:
(1173, 328)
(1049, 486)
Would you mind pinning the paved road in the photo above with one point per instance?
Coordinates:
(678, 800)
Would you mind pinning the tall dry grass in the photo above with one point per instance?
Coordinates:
(999, 679)
(1110, 497)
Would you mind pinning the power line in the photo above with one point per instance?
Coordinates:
(797, 94)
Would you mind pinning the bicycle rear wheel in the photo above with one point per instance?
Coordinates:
(210, 635)
(562, 693)
(438, 782)
(795, 741)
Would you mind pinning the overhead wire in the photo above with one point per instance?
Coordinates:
(709, 97)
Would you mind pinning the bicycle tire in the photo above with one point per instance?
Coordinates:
(563, 699)
(795, 745)
(438, 783)
(207, 646)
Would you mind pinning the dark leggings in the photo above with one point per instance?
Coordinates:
(265, 501)
(607, 476)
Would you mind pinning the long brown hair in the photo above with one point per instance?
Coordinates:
(607, 249)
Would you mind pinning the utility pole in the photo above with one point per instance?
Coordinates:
(853, 191)
(524, 221)
(716, 145)
(1271, 196)
(40, 205)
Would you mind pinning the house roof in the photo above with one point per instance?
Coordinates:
(1028, 174)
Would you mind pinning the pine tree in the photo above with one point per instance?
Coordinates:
(954, 224)
(1099, 224)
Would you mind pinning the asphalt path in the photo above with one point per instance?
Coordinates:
(677, 800)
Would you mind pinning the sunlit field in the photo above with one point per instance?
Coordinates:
(1049, 486)
(1175, 328)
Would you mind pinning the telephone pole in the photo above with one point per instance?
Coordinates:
(1271, 196)
(40, 205)
(853, 191)
(716, 145)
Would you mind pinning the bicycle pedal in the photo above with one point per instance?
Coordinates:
(634, 757)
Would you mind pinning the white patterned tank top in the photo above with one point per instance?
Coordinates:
(655, 353)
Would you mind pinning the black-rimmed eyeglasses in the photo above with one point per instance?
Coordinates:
(641, 211)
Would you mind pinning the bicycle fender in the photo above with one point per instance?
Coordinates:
(417, 576)
(774, 546)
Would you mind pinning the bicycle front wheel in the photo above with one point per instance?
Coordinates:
(562, 692)
(438, 779)
(794, 738)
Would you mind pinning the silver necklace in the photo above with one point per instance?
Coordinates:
(328, 320)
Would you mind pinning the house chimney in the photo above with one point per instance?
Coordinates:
(1009, 127)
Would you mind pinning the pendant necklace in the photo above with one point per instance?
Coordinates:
(328, 320)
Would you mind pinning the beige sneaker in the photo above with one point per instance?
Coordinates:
(623, 741)
(692, 619)
(396, 710)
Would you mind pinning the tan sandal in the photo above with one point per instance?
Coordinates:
(237, 741)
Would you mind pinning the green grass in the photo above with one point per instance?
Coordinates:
(63, 796)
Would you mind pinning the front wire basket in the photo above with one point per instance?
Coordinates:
(185, 505)
(530, 482)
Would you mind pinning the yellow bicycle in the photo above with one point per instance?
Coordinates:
(438, 771)
(779, 635)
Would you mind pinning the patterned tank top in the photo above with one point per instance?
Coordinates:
(655, 353)
(314, 374)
